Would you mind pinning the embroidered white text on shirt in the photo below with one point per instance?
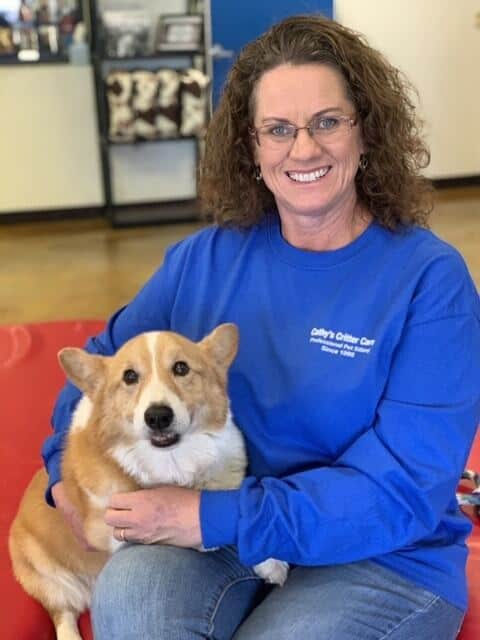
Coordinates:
(341, 343)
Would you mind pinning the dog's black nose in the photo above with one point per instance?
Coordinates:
(158, 416)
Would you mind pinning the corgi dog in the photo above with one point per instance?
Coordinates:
(156, 412)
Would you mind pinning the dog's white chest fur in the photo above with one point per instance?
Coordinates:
(200, 460)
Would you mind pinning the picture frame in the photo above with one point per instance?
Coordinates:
(126, 33)
(183, 32)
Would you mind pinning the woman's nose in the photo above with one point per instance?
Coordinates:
(304, 144)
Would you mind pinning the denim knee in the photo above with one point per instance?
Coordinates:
(155, 592)
(140, 594)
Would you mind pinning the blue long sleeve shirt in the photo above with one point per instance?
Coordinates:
(356, 386)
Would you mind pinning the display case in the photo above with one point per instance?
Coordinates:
(38, 31)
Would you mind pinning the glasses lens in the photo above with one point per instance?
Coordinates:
(281, 135)
(276, 135)
(328, 126)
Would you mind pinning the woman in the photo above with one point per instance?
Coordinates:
(356, 383)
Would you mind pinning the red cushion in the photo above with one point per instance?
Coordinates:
(471, 625)
(30, 379)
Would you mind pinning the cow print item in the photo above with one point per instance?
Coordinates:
(151, 105)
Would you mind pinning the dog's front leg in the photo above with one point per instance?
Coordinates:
(99, 535)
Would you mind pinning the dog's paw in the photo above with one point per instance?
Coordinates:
(204, 550)
(272, 571)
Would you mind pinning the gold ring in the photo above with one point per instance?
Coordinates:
(122, 535)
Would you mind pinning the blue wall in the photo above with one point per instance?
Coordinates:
(236, 22)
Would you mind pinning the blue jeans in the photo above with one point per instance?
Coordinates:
(161, 592)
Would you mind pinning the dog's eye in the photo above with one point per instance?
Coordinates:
(180, 368)
(130, 376)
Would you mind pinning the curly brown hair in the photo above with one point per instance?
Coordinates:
(391, 187)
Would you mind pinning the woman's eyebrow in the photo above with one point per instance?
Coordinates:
(276, 119)
(328, 110)
(318, 113)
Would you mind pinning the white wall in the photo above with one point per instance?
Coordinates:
(48, 133)
(437, 44)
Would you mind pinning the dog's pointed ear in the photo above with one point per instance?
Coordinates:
(222, 344)
(85, 370)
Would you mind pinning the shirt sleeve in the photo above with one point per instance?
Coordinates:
(148, 311)
(393, 485)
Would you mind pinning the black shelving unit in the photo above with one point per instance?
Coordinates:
(135, 213)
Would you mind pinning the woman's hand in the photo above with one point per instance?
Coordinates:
(169, 515)
(70, 515)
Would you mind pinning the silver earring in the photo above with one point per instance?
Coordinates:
(258, 173)
(363, 164)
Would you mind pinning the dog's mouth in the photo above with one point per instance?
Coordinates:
(166, 438)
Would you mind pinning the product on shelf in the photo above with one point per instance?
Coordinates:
(168, 111)
(194, 102)
(6, 41)
(151, 105)
(121, 117)
(37, 29)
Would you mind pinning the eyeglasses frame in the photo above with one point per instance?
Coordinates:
(254, 131)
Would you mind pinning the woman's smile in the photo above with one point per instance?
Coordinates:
(308, 177)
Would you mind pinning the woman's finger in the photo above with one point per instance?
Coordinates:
(122, 501)
(122, 534)
(118, 518)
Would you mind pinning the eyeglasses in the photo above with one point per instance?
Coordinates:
(321, 128)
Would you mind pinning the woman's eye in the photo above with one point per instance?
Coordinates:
(280, 131)
(326, 123)
(180, 368)
(130, 376)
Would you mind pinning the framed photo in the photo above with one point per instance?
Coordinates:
(179, 32)
(127, 33)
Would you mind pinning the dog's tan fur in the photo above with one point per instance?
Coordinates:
(108, 451)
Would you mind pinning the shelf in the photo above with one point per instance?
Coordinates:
(147, 213)
(134, 143)
(154, 56)
(13, 60)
